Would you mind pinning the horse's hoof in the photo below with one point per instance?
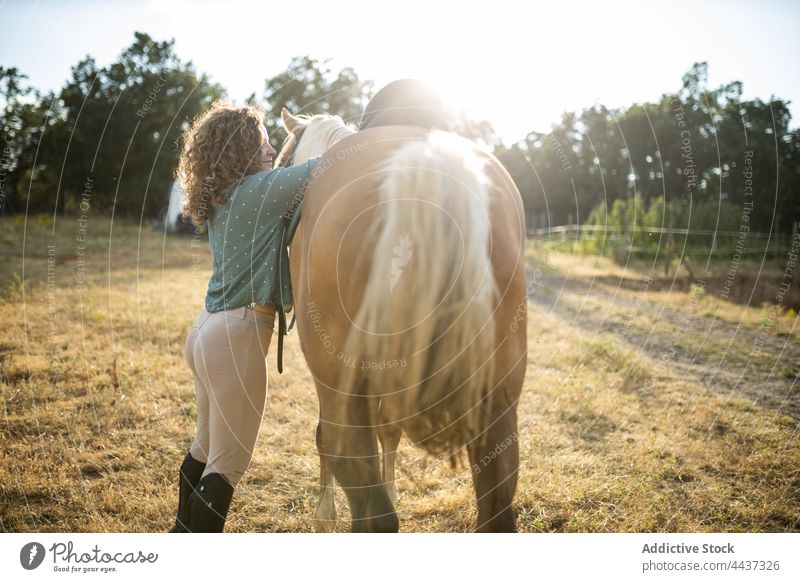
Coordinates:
(325, 520)
(321, 526)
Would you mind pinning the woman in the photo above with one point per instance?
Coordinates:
(226, 171)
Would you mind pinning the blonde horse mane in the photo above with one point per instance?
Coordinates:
(319, 132)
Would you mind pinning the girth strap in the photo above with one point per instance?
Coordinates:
(281, 333)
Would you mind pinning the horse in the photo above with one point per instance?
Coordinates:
(410, 300)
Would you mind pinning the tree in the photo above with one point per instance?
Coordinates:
(689, 148)
(25, 117)
(479, 131)
(308, 86)
(122, 126)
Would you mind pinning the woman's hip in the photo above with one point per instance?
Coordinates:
(232, 335)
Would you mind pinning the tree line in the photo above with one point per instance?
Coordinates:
(118, 129)
(698, 147)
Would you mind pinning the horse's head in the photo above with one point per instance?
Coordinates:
(309, 136)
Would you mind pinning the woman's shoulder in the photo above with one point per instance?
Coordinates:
(279, 174)
(252, 183)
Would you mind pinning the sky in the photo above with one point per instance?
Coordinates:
(519, 65)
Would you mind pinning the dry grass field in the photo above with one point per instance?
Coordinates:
(642, 410)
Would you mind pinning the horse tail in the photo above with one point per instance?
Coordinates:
(424, 335)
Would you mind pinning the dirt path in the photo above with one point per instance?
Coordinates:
(753, 364)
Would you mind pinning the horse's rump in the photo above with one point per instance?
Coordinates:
(424, 251)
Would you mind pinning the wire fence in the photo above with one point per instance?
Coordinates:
(649, 241)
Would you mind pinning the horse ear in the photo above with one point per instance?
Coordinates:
(291, 123)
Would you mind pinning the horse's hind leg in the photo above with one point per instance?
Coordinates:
(351, 448)
(325, 516)
(389, 435)
(495, 462)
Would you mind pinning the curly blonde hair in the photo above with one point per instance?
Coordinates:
(220, 147)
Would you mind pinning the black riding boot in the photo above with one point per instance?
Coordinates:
(190, 472)
(209, 503)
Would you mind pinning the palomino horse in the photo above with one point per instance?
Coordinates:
(410, 293)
